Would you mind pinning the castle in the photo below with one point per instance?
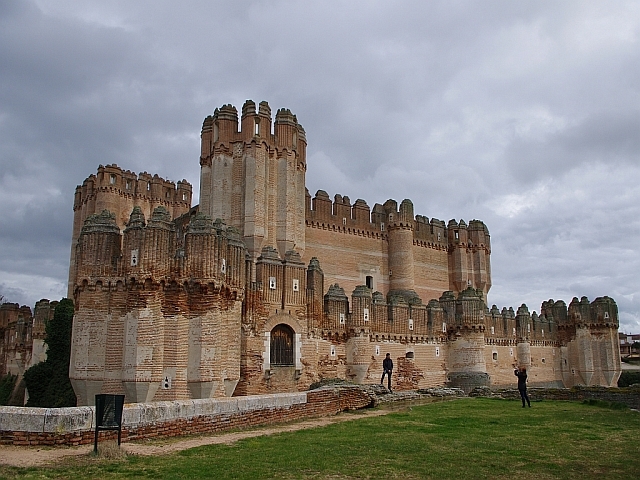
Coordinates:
(263, 289)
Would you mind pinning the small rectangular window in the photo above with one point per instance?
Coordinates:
(437, 351)
(369, 281)
(223, 266)
(365, 314)
(112, 180)
(333, 350)
(514, 331)
(344, 221)
(410, 324)
(377, 349)
(438, 236)
(127, 185)
(272, 283)
(511, 352)
(542, 331)
(444, 328)
(134, 258)
(382, 226)
(256, 127)
(493, 330)
(296, 285)
(342, 319)
(528, 327)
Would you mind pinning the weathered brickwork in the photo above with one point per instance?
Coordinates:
(262, 288)
(22, 341)
(74, 426)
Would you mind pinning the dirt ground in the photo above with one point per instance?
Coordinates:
(38, 456)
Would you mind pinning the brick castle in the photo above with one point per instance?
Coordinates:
(262, 289)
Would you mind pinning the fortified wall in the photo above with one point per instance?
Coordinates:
(263, 289)
(22, 341)
(390, 249)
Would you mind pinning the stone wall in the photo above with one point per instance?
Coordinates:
(629, 396)
(75, 426)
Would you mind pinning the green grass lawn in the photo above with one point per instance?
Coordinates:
(467, 438)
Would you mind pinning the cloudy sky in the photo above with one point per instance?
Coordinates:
(525, 115)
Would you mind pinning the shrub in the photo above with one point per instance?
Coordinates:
(628, 378)
(48, 382)
(7, 384)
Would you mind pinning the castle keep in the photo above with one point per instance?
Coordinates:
(262, 288)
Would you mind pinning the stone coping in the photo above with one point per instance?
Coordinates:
(78, 419)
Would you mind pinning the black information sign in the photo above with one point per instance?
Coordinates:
(108, 415)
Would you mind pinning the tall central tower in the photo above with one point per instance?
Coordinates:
(254, 178)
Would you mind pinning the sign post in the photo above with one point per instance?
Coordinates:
(108, 415)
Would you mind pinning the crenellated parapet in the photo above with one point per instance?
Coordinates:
(112, 186)
(212, 251)
(221, 130)
(466, 312)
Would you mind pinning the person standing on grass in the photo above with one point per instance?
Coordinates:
(387, 368)
(521, 373)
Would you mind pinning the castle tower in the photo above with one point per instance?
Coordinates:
(523, 335)
(469, 252)
(465, 328)
(400, 230)
(604, 325)
(315, 292)
(98, 248)
(593, 353)
(253, 179)
(360, 320)
(119, 191)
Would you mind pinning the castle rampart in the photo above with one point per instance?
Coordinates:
(394, 250)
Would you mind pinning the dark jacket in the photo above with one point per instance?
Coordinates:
(522, 379)
(387, 365)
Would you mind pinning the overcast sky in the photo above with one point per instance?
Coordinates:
(525, 115)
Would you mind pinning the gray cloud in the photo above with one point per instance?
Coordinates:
(524, 115)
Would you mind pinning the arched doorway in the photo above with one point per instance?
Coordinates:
(281, 345)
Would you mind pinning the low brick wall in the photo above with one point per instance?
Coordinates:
(74, 426)
(630, 396)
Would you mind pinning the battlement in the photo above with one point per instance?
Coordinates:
(222, 129)
(450, 316)
(115, 180)
(212, 251)
(341, 214)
